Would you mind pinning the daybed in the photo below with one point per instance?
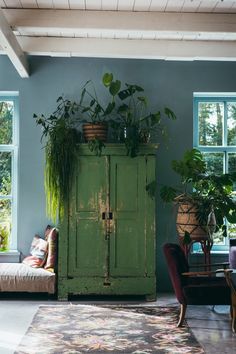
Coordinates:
(20, 277)
(36, 273)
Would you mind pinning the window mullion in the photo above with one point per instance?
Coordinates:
(225, 137)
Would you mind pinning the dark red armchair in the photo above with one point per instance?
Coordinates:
(194, 288)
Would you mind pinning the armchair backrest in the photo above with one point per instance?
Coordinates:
(177, 264)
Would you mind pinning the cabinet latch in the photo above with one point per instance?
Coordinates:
(106, 283)
(107, 216)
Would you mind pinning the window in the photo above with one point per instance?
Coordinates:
(8, 170)
(215, 137)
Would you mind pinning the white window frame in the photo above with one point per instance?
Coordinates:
(13, 149)
(213, 97)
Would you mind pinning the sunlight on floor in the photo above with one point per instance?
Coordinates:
(9, 340)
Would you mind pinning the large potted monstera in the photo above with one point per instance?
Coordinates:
(204, 201)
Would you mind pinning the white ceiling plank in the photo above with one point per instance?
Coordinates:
(141, 5)
(174, 35)
(44, 4)
(93, 4)
(148, 36)
(13, 3)
(109, 5)
(73, 20)
(126, 34)
(30, 4)
(174, 5)
(225, 6)
(125, 5)
(158, 5)
(121, 48)
(12, 48)
(191, 6)
(77, 4)
(107, 35)
(61, 4)
(207, 5)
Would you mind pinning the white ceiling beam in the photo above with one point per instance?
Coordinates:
(73, 20)
(121, 48)
(12, 48)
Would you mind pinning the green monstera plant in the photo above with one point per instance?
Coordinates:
(135, 120)
(95, 115)
(209, 195)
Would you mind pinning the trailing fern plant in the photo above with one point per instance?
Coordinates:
(61, 148)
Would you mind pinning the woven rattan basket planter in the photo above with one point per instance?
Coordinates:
(187, 221)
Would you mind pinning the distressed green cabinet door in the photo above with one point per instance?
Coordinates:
(87, 254)
(127, 228)
(107, 242)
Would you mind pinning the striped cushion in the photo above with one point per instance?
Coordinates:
(51, 238)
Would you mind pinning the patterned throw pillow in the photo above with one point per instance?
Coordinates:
(51, 238)
(38, 251)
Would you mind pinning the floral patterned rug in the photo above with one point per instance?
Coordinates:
(77, 329)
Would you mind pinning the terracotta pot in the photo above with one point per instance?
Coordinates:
(92, 131)
(187, 221)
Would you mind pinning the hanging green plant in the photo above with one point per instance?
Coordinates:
(61, 148)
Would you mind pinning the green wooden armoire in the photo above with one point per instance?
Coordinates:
(107, 237)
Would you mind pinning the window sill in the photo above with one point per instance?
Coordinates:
(11, 256)
(200, 253)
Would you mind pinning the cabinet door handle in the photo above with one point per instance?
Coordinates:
(108, 216)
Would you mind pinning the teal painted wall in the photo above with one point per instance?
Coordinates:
(166, 83)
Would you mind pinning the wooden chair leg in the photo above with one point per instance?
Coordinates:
(233, 307)
(183, 308)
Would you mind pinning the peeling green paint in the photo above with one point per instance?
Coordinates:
(110, 256)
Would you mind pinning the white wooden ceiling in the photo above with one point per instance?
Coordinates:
(126, 5)
(161, 29)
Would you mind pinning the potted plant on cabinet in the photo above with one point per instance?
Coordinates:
(95, 116)
(135, 120)
(61, 147)
(204, 200)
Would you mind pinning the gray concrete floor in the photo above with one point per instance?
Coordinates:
(211, 328)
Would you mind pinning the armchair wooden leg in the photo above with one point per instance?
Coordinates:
(233, 316)
(183, 308)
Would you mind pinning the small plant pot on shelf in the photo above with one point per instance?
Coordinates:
(95, 131)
